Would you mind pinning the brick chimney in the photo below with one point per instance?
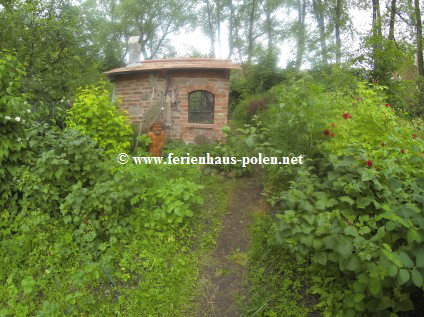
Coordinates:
(134, 50)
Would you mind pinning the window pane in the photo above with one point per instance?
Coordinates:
(201, 107)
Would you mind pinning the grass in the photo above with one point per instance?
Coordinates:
(277, 283)
(141, 272)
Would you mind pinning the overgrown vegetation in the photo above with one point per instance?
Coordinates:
(81, 234)
(353, 211)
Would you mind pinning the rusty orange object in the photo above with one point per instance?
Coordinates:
(157, 135)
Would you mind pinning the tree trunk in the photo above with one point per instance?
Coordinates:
(218, 25)
(419, 29)
(268, 24)
(392, 20)
(231, 34)
(319, 15)
(250, 34)
(211, 28)
(301, 11)
(376, 42)
(337, 31)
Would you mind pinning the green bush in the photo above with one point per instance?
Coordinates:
(94, 114)
(251, 106)
(88, 229)
(14, 119)
(357, 210)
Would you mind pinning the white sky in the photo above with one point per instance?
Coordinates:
(196, 39)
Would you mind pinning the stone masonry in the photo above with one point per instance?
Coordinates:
(138, 90)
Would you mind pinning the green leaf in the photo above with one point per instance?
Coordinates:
(395, 258)
(393, 270)
(417, 278)
(395, 184)
(364, 230)
(351, 230)
(362, 202)
(320, 257)
(419, 257)
(28, 284)
(385, 303)
(413, 235)
(391, 225)
(403, 276)
(358, 298)
(330, 241)
(375, 286)
(353, 263)
(406, 260)
(344, 247)
(317, 244)
(347, 199)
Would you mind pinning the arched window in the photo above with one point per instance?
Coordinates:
(200, 107)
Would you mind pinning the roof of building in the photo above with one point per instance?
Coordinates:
(176, 63)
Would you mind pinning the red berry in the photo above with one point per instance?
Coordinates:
(346, 116)
(403, 151)
(414, 136)
(326, 132)
(382, 144)
(387, 105)
(333, 124)
(358, 98)
(369, 163)
(333, 135)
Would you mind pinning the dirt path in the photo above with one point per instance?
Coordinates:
(221, 279)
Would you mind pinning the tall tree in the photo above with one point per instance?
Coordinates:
(300, 30)
(270, 22)
(252, 5)
(50, 39)
(318, 10)
(337, 27)
(392, 20)
(419, 31)
(209, 28)
(154, 21)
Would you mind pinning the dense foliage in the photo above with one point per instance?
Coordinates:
(354, 210)
(80, 233)
(94, 114)
(14, 113)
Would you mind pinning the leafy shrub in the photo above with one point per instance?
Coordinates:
(251, 106)
(59, 161)
(93, 114)
(14, 118)
(357, 210)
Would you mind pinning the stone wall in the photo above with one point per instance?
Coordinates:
(138, 91)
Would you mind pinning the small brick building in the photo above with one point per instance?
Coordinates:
(188, 95)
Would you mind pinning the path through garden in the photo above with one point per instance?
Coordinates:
(222, 277)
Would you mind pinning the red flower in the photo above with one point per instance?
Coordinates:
(414, 136)
(333, 124)
(346, 116)
(403, 151)
(333, 135)
(369, 163)
(326, 132)
(387, 105)
(382, 144)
